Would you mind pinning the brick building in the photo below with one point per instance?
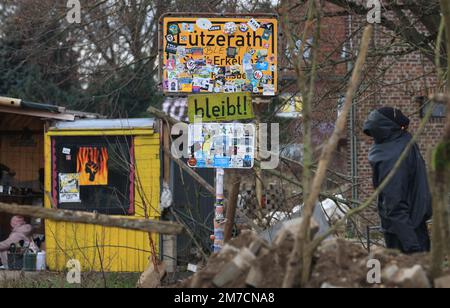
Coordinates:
(394, 76)
(399, 80)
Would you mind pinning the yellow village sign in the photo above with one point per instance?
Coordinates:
(220, 107)
(219, 55)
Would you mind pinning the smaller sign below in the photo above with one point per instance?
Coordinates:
(220, 107)
(226, 145)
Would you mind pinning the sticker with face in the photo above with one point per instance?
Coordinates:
(174, 29)
(243, 27)
(173, 85)
(204, 23)
(230, 28)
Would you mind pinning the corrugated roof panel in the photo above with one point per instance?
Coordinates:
(98, 124)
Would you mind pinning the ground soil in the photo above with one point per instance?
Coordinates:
(337, 263)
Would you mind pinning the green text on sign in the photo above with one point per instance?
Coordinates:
(220, 107)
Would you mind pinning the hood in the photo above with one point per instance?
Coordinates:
(24, 229)
(381, 128)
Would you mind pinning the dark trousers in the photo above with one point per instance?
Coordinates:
(393, 242)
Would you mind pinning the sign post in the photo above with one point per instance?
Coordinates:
(219, 214)
(221, 146)
(220, 62)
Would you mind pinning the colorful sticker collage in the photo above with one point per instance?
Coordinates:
(222, 145)
(217, 55)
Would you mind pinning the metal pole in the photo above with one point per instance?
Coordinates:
(219, 217)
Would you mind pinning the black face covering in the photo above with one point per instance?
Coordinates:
(381, 128)
(396, 115)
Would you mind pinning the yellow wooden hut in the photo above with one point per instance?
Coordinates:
(109, 167)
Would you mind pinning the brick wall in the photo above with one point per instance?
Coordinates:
(394, 80)
(331, 72)
(392, 77)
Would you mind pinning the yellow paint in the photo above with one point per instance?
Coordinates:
(187, 42)
(101, 248)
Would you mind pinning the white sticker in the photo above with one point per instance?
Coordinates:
(269, 90)
(66, 151)
(253, 24)
(69, 188)
(258, 75)
(203, 83)
(173, 85)
(204, 23)
(192, 268)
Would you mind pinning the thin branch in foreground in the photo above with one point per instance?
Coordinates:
(146, 225)
(300, 259)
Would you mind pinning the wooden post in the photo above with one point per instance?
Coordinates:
(235, 184)
(166, 146)
(259, 185)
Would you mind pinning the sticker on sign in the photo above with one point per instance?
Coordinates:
(222, 145)
(226, 52)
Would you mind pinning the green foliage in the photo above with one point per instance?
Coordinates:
(441, 157)
(42, 62)
(126, 93)
(35, 67)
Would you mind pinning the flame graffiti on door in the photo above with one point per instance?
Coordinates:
(92, 165)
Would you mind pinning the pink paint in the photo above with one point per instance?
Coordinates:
(54, 174)
(131, 210)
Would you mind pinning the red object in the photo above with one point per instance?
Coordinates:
(192, 162)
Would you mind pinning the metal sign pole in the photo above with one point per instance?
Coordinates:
(221, 146)
(219, 217)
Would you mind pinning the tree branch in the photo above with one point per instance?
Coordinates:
(145, 225)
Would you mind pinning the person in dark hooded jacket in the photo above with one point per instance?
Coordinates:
(404, 205)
